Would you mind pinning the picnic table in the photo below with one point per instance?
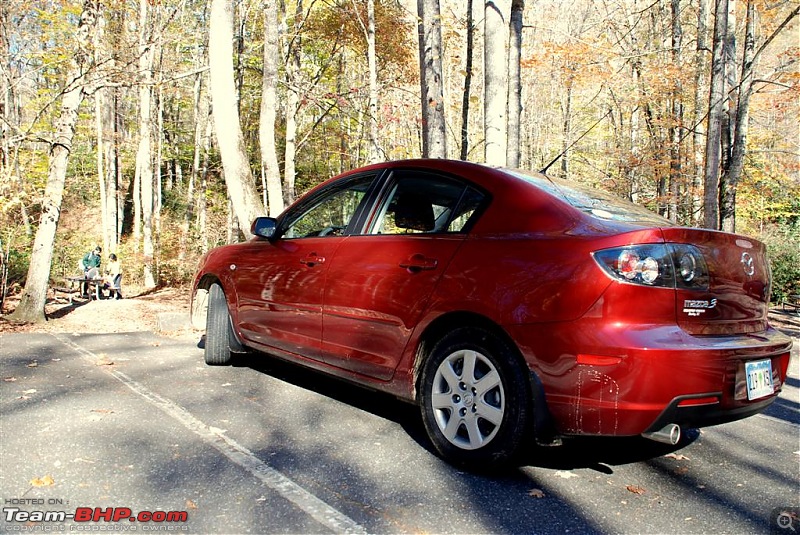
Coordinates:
(792, 301)
(80, 281)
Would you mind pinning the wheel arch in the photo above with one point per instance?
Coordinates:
(450, 321)
(543, 425)
(199, 310)
(199, 301)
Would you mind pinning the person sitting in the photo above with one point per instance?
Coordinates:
(113, 279)
(91, 267)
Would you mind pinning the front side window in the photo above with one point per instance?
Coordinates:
(330, 213)
(424, 203)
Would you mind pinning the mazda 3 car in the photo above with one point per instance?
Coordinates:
(508, 306)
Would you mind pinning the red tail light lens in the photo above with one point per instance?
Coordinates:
(661, 265)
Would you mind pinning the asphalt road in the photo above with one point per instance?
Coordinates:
(102, 425)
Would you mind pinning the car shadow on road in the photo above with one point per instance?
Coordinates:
(596, 453)
(603, 453)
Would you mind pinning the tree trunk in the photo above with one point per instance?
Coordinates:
(514, 83)
(236, 167)
(99, 105)
(200, 110)
(112, 181)
(495, 61)
(375, 153)
(566, 131)
(6, 94)
(144, 158)
(467, 82)
(698, 136)
(10, 118)
(202, 207)
(675, 164)
(269, 105)
(104, 99)
(434, 135)
(292, 106)
(716, 100)
(34, 295)
(114, 126)
(728, 120)
(733, 172)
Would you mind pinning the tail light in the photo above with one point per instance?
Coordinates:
(669, 265)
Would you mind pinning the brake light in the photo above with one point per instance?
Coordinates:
(671, 265)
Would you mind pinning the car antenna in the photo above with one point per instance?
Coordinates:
(544, 169)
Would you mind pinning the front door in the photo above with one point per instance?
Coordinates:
(280, 291)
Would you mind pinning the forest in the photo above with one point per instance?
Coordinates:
(158, 129)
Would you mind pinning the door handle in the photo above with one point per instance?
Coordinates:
(419, 262)
(312, 259)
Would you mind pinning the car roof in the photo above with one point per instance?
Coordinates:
(530, 201)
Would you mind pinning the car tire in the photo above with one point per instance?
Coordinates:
(475, 399)
(217, 350)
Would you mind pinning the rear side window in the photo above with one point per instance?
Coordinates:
(420, 203)
(593, 201)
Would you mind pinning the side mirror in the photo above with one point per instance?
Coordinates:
(264, 227)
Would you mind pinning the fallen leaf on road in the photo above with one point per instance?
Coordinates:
(636, 489)
(9, 379)
(677, 457)
(190, 504)
(30, 391)
(563, 474)
(33, 364)
(104, 361)
(46, 481)
(536, 493)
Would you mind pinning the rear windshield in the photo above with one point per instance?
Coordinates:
(595, 202)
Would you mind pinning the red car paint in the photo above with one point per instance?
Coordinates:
(608, 356)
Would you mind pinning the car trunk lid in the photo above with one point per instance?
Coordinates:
(737, 298)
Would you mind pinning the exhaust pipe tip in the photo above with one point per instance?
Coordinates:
(670, 434)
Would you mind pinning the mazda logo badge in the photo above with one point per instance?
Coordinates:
(748, 264)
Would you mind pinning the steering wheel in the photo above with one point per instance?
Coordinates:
(331, 231)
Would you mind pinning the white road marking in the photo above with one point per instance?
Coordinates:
(320, 511)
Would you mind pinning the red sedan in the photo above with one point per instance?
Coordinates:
(506, 305)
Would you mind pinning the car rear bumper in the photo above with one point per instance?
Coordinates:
(603, 379)
(706, 414)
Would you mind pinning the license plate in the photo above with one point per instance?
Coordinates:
(759, 378)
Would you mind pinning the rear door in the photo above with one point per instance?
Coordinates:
(379, 282)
